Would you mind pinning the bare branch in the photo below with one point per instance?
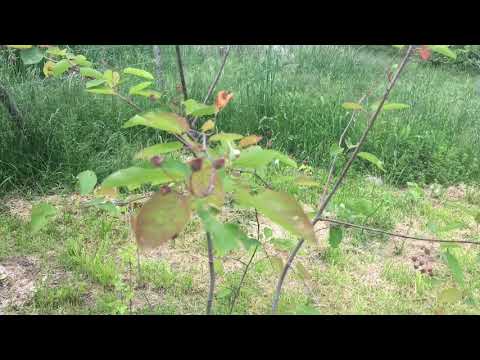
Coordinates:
(342, 176)
(361, 227)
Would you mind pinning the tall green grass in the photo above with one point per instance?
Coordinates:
(293, 99)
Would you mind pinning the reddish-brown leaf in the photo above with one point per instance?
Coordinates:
(249, 141)
(424, 52)
(207, 183)
(223, 99)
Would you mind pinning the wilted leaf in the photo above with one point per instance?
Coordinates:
(352, 106)
(277, 263)
(454, 267)
(41, 214)
(158, 149)
(106, 192)
(450, 296)
(249, 140)
(134, 89)
(306, 181)
(86, 181)
(161, 218)
(195, 108)
(48, 68)
(31, 56)
(208, 125)
(167, 121)
(134, 177)
(284, 210)
(225, 137)
(20, 46)
(335, 236)
(89, 72)
(371, 158)
(302, 272)
(223, 98)
(138, 72)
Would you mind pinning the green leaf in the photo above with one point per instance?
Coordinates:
(267, 233)
(60, 67)
(395, 106)
(335, 236)
(31, 56)
(134, 177)
(225, 237)
(95, 83)
(200, 182)
(444, 50)
(103, 91)
(284, 210)
(55, 51)
(158, 149)
(89, 72)
(450, 296)
(161, 218)
(40, 216)
(454, 267)
(138, 72)
(352, 106)
(86, 181)
(167, 121)
(255, 158)
(218, 267)
(81, 60)
(112, 78)
(143, 85)
(195, 108)
(398, 46)
(225, 137)
(371, 158)
(335, 150)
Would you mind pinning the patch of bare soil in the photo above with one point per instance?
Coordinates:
(455, 193)
(17, 281)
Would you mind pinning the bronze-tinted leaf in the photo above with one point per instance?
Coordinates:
(207, 183)
(223, 98)
(161, 219)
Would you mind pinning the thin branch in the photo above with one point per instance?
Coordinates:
(237, 290)
(180, 70)
(217, 77)
(157, 57)
(130, 102)
(212, 274)
(361, 227)
(214, 82)
(343, 174)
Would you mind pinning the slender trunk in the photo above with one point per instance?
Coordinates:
(212, 274)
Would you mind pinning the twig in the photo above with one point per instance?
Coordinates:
(214, 82)
(157, 57)
(212, 274)
(180, 70)
(342, 176)
(129, 102)
(257, 176)
(408, 237)
(237, 291)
